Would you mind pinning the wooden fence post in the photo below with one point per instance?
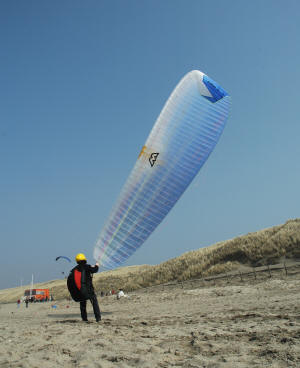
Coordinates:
(285, 269)
(269, 271)
(254, 272)
(241, 276)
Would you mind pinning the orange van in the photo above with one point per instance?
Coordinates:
(38, 294)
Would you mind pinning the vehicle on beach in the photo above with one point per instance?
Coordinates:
(37, 295)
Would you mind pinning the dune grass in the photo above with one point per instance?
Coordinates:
(268, 246)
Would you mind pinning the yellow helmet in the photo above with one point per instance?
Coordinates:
(80, 257)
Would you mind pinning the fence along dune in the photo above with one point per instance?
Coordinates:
(264, 247)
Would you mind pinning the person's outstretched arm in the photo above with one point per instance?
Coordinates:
(94, 269)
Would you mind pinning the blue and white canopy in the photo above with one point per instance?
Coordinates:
(184, 135)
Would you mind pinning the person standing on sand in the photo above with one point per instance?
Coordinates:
(26, 302)
(89, 270)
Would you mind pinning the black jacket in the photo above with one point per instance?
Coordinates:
(86, 291)
(89, 270)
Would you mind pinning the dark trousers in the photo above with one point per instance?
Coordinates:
(96, 308)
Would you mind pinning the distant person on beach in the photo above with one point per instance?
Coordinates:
(121, 294)
(18, 303)
(83, 281)
(26, 302)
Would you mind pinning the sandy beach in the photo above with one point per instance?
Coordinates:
(249, 324)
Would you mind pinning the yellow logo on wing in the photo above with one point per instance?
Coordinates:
(142, 151)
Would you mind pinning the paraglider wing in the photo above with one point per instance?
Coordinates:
(180, 142)
(68, 259)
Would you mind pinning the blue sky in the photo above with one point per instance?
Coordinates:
(81, 85)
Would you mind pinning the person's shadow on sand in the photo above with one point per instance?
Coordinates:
(73, 315)
(66, 317)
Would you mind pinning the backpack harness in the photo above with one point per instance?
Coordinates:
(77, 284)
